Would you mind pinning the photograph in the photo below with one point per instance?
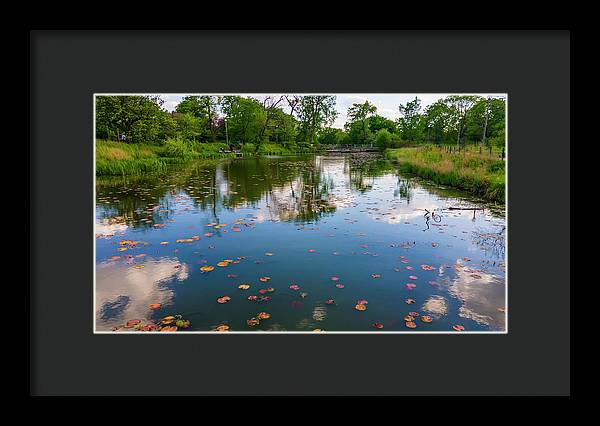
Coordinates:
(300, 213)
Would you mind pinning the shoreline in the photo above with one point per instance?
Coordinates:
(476, 174)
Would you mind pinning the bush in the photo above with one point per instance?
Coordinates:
(383, 138)
(248, 148)
(178, 148)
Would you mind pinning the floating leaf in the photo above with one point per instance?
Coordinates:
(181, 323)
(232, 276)
(264, 279)
(223, 264)
(207, 268)
(244, 286)
(263, 316)
(295, 287)
(458, 327)
(311, 250)
(409, 301)
(362, 302)
(378, 325)
(340, 285)
(155, 306)
(222, 327)
(413, 277)
(252, 297)
(360, 307)
(317, 330)
(150, 327)
(235, 229)
(223, 299)
(132, 323)
(427, 267)
(410, 286)
(376, 275)
(411, 324)
(252, 322)
(169, 328)
(335, 279)
(413, 314)
(426, 318)
(268, 254)
(330, 302)
(408, 318)
(139, 266)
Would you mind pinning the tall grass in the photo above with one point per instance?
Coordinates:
(478, 174)
(118, 158)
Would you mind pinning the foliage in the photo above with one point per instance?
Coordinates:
(315, 113)
(357, 126)
(140, 119)
(383, 139)
(480, 174)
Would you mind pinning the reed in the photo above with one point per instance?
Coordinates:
(479, 174)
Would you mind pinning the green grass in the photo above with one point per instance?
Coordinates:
(118, 158)
(477, 173)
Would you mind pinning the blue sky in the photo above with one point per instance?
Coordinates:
(386, 103)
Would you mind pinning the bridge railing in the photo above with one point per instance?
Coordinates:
(350, 148)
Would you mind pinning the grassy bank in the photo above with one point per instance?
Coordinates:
(118, 158)
(479, 174)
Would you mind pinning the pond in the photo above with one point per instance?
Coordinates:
(327, 243)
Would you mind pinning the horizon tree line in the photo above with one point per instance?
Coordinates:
(305, 122)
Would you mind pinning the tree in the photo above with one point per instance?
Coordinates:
(359, 113)
(378, 122)
(203, 108)
(411, 122)
(436, 120)
(383, 139)
(137, 118)
(316, 112)
(459, 109)
(333, 136)
(282, 127)
(188, 126)
(269, 106)
(245, 119)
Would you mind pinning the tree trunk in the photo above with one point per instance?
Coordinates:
(486, 122)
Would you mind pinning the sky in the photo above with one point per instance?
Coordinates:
(386, 103)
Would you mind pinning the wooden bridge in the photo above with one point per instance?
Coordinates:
(352, 148)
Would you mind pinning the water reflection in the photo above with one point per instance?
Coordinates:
(482, 295)
(267, 205)
(124, 292)
(300, 191)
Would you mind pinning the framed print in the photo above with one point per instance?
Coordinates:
(368, 204)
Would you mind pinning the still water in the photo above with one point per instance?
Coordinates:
(342, 243)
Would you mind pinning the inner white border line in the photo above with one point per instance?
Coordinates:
(259, 332)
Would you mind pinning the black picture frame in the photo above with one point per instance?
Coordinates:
(67, 67)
